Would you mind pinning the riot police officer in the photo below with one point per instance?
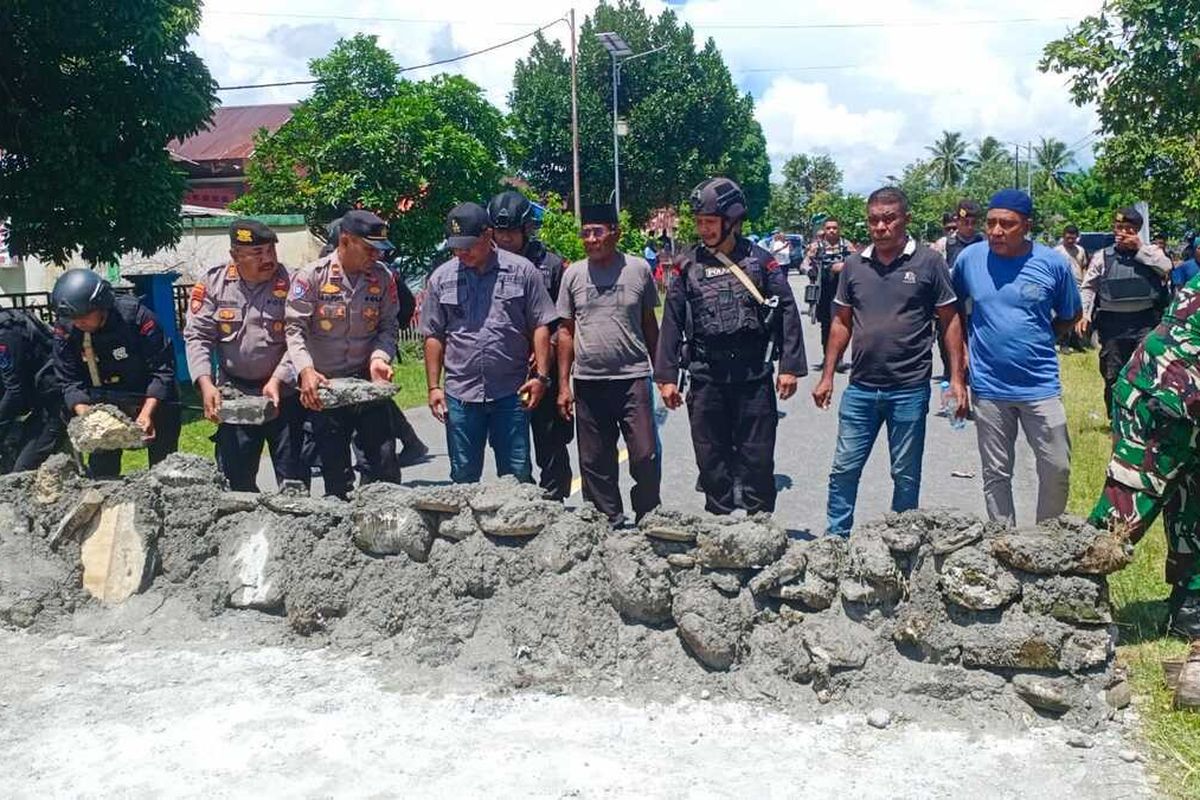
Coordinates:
(111, 349)
(31, 412)
(727, 310)
(236, 314)
(513, 226)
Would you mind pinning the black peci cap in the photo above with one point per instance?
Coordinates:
(465, 223)
(367, 226)
(599, 214)
(250, 233)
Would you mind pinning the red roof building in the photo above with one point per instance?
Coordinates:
(215, 158)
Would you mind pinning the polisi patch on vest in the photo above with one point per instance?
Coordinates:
(715, 272)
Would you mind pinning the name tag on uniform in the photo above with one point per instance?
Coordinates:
(910, 277)
(119, 353)
(715, 272)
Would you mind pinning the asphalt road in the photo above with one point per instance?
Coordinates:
(803, 455)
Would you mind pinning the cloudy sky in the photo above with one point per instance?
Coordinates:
(870, 83)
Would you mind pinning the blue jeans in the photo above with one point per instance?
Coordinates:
(502, 423)
(862, 413)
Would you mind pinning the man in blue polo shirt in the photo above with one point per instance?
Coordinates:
(1022, 295)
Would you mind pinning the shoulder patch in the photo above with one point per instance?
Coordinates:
(299, 288)
(198, 293)
(146, 328)
(772, 265)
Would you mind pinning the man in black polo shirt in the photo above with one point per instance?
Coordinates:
(888, 296)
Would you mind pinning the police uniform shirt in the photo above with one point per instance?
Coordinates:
(892, 306)
(242, 323)
(1148, 254)
(709, 304)
(337, 323)
(133, 358)
(26, 345)
(486, 321)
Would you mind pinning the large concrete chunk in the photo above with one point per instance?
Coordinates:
(639, 587)
(1070, 598)
(672, 526)
(502, 491)
(184, 470)
(76, 520)
(1064, 546)
(1018, 641)
(872, 576)
(104, 427)
(448, 499)
(384, 524)
(520, 518)
(975, 580)
(341, 392)
(786, 570)
(253, 566)
(117, 554)
(711, 624)
(835, 642)
(748, 543)
(247, 409)
(52, 478)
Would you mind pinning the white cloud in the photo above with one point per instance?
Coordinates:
(872, 88)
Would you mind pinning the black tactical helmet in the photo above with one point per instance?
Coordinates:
(78, 291)
(719, 197)
(509, 210)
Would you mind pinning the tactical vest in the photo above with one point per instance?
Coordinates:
(954, 246)
(724, 314)
(1126, 280)
(549, 264)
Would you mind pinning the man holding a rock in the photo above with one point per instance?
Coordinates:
(236, 315)
(341, 323)
(485, 309)
(1155, 465)
(111, 349)
(608, 331)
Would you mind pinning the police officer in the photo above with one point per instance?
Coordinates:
(236, 314)
(513, 227)
(31, 411)
(966, 218)
(1124, 292)
(341, 322)
(723, 313)
(111, 349)
(824, 261)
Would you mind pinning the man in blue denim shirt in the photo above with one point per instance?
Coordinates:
(887, 298)
(484, 310)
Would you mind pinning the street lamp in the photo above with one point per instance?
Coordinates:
(621, 53)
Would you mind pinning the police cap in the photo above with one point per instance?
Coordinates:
(250, 233)
(367, 227)
(465, 223)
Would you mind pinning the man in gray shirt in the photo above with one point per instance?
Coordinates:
(484, 310)
(608, 331)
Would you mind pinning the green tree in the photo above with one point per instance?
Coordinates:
(948, 159)
(1138, 61)
(367, 138)
(1051, 161)
(804, 176)
(1087, 200)
(989, 150)
(91, 93)
(687, 120)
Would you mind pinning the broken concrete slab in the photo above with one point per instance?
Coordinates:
(104, 427)
(672, 526)
(741, 544)
(977, 581)
(384, 524)
(448, 499)
(490, 497)
(253, 565)
(519, 518)
(788, 568)
(247, 409)
(341, 392)
(1064, 546)
(78, 518)
(458, 526)
(186, 470)
(1070, 598)
(640, 588)
(836, 642)
(1054, 695)
(711, 624)
(871, 574)
(117, 554)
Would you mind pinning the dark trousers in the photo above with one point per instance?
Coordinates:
(370, 424)
(551, 435)
(1114, 354)
(939, 336)
(239, 448)
(733, 435)
(30, 441)
(167, 424)
(604, 409)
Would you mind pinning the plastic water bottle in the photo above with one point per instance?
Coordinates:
(944, 399)
(956, 423)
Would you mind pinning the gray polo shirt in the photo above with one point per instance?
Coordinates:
(486, 322)
(893, 307)
(608, 305)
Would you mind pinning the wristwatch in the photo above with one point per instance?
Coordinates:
(543, 379)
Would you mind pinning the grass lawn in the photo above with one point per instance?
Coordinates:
(1138, 592)
(194, 438)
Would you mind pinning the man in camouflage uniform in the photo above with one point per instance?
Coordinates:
(1155, 466)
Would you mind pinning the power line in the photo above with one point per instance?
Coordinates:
(437, 63)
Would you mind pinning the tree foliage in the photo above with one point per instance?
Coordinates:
(948, 159)
(367, 138)
(1138, 61)
(687, 120)
(804, 177)
(90, 95)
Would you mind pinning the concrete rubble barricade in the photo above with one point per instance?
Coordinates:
(341, 392)
(741, 544)
(639, 585)
(104, 427)
(975, 580)
(385, 524)
(252, 564)
(1064, 546)
(117, 554)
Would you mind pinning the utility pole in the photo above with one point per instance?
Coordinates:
(621, 53)
(575, 119)
(1016, 166)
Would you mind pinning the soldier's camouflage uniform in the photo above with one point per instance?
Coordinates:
(1155, 466)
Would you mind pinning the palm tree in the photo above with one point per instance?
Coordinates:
(1051, 159)
(989, 150)
(949, 159)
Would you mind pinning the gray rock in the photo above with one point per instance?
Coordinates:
(53, 477)
(779, 648)
(879, 718)
(492, 496)
(901, 538)
(1119, 695)
(104, 427)
(252, 564)
(247, 410)
(975, 580)
(292, 498)
(384, 524)
(1044, 693)
(1070, 598)
(184, 470)
(342, 392)
(681, 561)
(742, 544)
(520, 518)
(639, 587)
(236, 502)
(1064, 546)
(672, 526)
(78, 518)
(564, 544)
(1087, 648)
(1017, 641)
(709, 623)
(449, 499)
(813, 591)
(836, 642)
(1129, 756)
(825, 557)
(459, 526)
(1081, 741)
(947, 540)
(871, 572)
(787, 569)
(725, 582)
